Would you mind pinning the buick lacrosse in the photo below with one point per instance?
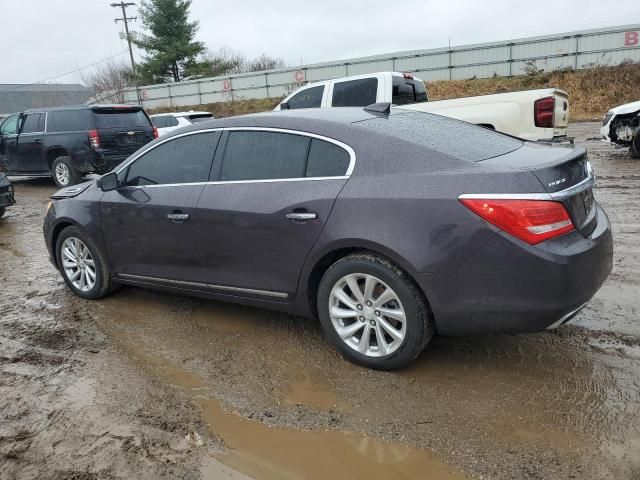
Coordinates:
(387, 225)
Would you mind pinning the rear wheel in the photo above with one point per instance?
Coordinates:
(373, 313)
(64, 173)
(634, 150)
(83, 265)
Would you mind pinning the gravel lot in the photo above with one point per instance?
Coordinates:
(149, 385)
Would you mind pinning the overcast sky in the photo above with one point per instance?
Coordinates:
(44, 38)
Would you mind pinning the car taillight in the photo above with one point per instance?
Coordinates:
(532, 221)
(94, 139)
(155, 132)
(543, 110)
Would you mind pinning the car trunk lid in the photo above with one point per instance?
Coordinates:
(565, 174)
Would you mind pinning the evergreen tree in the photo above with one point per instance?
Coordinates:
(169, 41)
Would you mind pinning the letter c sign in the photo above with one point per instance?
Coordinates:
(631, 39)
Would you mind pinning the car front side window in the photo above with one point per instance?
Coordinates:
(308, 98)
(185, 159)
(10, 126)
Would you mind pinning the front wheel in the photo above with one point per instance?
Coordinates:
(64, 173)
(373, 312)
(82, 264)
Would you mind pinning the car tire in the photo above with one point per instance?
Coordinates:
(634, 149)
(64, 173)
(2, 211)
(93, 266)
(406, 300)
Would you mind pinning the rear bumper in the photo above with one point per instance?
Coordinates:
(98, 161)
(513, 287)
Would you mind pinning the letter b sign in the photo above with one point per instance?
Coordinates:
(631, 39)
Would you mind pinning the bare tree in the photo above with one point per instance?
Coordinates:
(226, 61)
(107, 81)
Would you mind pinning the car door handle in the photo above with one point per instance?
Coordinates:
(302, 216)
(38, 140)
(178, 217)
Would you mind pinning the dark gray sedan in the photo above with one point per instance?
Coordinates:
(388, 226)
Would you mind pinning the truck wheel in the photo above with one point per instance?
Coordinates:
(373, 312)
(64, 173)
(634, 150)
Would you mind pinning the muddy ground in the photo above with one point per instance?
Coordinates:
(149, 385)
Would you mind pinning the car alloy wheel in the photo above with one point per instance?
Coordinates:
(63, 175)
(78, 264)
(367, 315)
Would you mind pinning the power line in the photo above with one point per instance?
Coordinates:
(64, 74)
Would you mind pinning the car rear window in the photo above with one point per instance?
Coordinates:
(117, 118)
(447, 135)
(407, 90)
(200, 117)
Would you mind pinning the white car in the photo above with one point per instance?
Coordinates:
(621, 126)
(532, 115)
(167, 122)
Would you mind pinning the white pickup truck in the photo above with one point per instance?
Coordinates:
(532, 114)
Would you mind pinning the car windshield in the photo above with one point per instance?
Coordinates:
(112, 118)
(447, 135)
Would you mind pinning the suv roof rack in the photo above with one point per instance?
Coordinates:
(382, 107)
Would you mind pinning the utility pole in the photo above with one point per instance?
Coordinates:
(126, 19)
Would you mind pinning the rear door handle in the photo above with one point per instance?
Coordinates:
(302, 216)
(178, 217)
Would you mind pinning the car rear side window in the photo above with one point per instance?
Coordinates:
(120, 118)
(327, 160)
(446, 135)
(254, 155)
(69, 121)
(32, 123)
(309, 98)
(355, 93)
(181, 160)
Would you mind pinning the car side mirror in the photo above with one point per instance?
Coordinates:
(108, 182)
(285, 106)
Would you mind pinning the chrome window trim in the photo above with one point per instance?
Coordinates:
(350, 151)
(557, 196)
(210, 286)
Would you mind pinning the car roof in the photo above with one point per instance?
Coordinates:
(83, 107)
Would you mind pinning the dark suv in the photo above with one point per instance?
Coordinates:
(69, 142)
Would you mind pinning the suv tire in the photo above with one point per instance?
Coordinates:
(404, 320)
(64, 173)
(634, 149)
(82, 257)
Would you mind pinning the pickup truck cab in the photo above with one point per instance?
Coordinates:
(532, 115)
(69, 142)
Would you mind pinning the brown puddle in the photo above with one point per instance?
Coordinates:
(270, 453)
(310, 392)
